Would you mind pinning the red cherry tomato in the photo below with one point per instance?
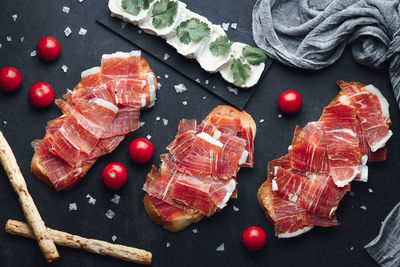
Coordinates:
(290, 102)
(114, 175)
(141, 150)
(254, 238)
(48, 48)
(10, 79)
(41, 95)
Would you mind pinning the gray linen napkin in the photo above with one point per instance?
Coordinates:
(312, 34)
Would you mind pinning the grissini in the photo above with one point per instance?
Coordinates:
(182, 219)
(92, 245)
(31, 213)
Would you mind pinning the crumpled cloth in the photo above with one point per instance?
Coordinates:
(385, 248)
(313, 34)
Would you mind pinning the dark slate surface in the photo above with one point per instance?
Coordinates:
(320, 247)
(188, 67)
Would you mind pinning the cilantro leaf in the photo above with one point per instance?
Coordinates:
(241, 72)
(192, 30)
(253, 55)
(163, 13)
(220, 46)
(135, 6)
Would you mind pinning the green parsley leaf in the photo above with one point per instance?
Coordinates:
(220, 46)
(164, 13)
(241, 72)
(135, 6)
(192, 30)
(253, 55)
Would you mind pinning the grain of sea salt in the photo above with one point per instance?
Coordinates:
(225, 26)
(91, 201)
(262, 120)
(64, 68)
(14, 17)
(65, 9)
(139, 31)
(166, 56)
(113, 238)
(80, 1)
(116, 199)
(1, 45)
(72, 206)
(168, 244)
(9, 39)
(184, 103)
(198, 80)
(166, 76)
(148, 136)
(363, 207)
(33, 53)
(180, 88)
(370, 190)
(233, 90)
(351, 248)
(67, 31)
(82, 31)
(110, 214)
(141, 124)
(234, 25)
(279, 115)
(4, 122)
(22, 38)
(204, 97)
(221, 247)
(206, 81)
(235, 208)
(165, 122)
(158, 118)
(194, 230)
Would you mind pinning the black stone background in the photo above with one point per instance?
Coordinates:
(320, 247)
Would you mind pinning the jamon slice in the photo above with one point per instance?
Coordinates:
(369, 113)
(339, 122)
(120, 65)
(186, 125)
(247, 135)
(125, 121)
(181, 146)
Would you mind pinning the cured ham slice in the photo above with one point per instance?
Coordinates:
(125, 121)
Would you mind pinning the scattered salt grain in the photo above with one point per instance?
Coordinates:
(116, 199)
(225, 26)
(184, 103)
(165, 121)
(33, 53)
(123, 24)
(166, 56)
(279, 115)
(67, 31)
(262, 120)
(159, 85)
(148, 136)
(233, 90)
(204, 97)
(351, 248)
(168, 244)
(221, 247)
(22, 38)
(370, 190)
(91, 201)
(113, 238)
(198, 80)
(194, 230)
(139, 31)
(213, 86)
(65, 9)
(1, 45)
(110, 214)
(206, 81)
(82, 31)
(234, 25)
(235, 208)
(64, 68)
(4, 122)
(80, 1)
(141, 124)
(72, 206)
(166, 76)
(158, 77)
(9, 39)
(363, 207)
(180, 88)
(158, 118)
(352, 194)
(14, 17)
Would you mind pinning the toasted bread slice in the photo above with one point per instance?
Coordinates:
(37, 168)
(180, 220)
(264, 199)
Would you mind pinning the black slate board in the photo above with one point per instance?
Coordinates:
(189, 67)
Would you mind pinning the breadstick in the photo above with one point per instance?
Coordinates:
(73, 241)
(10, 165)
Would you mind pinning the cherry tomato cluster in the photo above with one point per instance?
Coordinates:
(40, 94)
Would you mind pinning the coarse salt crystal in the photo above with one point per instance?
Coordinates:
(158, 118)
(1, 45)
(123, 24)
(198, 80)
(92, 201)
(14, 17)
(110, 214)
(204, 97)
(194, 230)
(22, 38)
(82, 31)
(370, 190)
(159, 85)
(64, 68)
(234, 25)
(206, 81)
(9, 39)
(80, 1)
(279, 115)
(363, 207)
(184, 103)
(158, 77)
(225, 26)
(65, 9)
(166, 56)
(4, 122)
(233, 90)
(351, 248)
(113, 238)
(148, 136)
(221, 247)
(168, 244)
(166, 76)
(180, 88)
(213, 86)
(116, 199)
(33, 53)
(141, 123)
(235, 208)
(139, 31)
(67, 31)
(262, 120)
(72, 206)
(165, 121)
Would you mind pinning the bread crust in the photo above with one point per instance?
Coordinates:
(264, 200)
(37, 168)
(185, 219)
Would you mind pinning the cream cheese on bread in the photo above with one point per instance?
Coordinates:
(117, 11)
